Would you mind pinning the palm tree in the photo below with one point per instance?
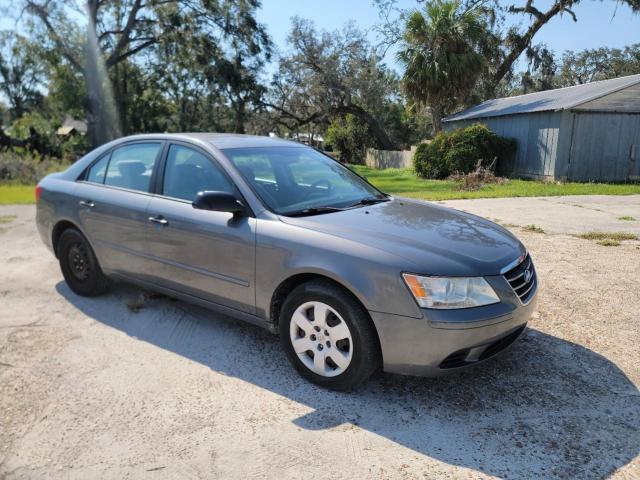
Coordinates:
(443, 52)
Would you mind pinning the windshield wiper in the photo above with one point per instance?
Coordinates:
(312, 211)
(325, 209)
(369, 201)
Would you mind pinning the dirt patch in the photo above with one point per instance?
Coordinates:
(92, 388)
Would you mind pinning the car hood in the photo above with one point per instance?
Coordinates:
(430, 238)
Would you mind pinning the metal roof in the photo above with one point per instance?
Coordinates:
(79, 125)
(555, 100)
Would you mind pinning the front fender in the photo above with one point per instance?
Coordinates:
(372, 275)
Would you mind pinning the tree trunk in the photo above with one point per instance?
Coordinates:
(103, 121)
(95, 130)
(436, 117)
(240, 114)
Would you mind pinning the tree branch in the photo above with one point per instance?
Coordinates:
(125, 38)
(41, 12)
(113, 61)
(524, 40)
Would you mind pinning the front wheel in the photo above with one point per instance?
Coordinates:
(79, 265)
(328, 336)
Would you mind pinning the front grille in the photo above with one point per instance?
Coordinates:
(456, 359)
(523, 279)
(499, 345)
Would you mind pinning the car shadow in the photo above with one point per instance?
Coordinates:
(546, 408)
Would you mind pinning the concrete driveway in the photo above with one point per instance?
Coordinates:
(129, 385)
(570, 214)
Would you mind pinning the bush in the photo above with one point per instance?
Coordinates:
(349, 137)
(25, 169)
(460, 150)
(46, 142)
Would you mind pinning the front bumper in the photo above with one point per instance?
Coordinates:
(447, 340)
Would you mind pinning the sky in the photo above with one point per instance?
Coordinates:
(596, 27)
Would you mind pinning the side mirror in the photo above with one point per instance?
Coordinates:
(218, 202)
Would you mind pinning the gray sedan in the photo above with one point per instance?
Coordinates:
(280, 235)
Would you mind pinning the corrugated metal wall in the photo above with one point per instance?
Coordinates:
(605, 147)
(576, 145)
(537, 135)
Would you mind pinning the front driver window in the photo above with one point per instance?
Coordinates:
(188, 172)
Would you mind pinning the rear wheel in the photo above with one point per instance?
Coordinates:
(79, 264)
(328, 336)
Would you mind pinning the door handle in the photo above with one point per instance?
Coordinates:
(87, 203)
(159, 220)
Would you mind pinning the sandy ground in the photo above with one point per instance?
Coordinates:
(91, 389)
(570, 214)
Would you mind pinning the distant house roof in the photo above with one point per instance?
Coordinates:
(65, 130)
(558, 99)
(70, 125)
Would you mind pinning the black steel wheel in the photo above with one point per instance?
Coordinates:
(79, 264)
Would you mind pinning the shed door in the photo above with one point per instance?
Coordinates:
(605, 147)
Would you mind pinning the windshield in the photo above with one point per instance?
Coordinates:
(301, 180)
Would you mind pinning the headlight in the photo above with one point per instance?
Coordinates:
(450, 292)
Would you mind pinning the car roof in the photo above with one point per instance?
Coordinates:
(225, 140)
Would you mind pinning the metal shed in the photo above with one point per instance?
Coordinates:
(587, 132)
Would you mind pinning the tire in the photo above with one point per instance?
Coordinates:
(79, 265)
(356, 356)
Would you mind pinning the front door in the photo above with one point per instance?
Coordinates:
(113, 200)
(207, 254)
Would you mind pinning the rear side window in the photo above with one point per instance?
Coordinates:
(97, 170)
(131, 166)
(188, 172)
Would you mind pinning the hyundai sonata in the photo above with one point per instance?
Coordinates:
(280, 235)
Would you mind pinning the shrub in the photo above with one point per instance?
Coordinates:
(46, 142)
(26, 169)
(460, 150)
(427, 161)
(349, 137)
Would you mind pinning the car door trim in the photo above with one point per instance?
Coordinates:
(201, 271)
(190, 298)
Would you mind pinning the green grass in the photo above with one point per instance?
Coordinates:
(12, 194)
(626, 218)
(607, 242)
(533, 228)
(5, 219)
(601, 236)
(403, 182)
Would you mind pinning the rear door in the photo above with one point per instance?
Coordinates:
(112, 201)
(210, 255)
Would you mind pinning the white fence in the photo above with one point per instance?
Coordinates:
(389, 158)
